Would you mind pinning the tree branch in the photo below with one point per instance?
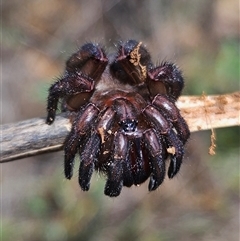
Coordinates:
(34, 137)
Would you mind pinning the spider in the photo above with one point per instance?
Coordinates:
(125, 122)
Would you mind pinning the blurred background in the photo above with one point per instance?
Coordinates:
(202, 202)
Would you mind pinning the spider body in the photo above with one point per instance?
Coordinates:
(126, 123)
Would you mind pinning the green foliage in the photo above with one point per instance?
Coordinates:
(214, 74)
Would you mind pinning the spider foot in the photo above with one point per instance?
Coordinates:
(176, 154)
(88, 155)
(114, 182)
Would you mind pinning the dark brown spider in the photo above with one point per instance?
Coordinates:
(126, 123)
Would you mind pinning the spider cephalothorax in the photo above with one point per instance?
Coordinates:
(126, 123)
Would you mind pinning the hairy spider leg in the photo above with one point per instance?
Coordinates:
(128, 179)
(105, 123)
(90, 59)
(69, 85)
(137, 155)
(114, 182)
(157, 158)
(81, 127)
(175, 159)
(83, 69)
(118, 108)
(165, 79)
(161, 124)
(171, 112)
(88, 157)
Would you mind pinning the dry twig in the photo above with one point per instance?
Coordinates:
(33, 137)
